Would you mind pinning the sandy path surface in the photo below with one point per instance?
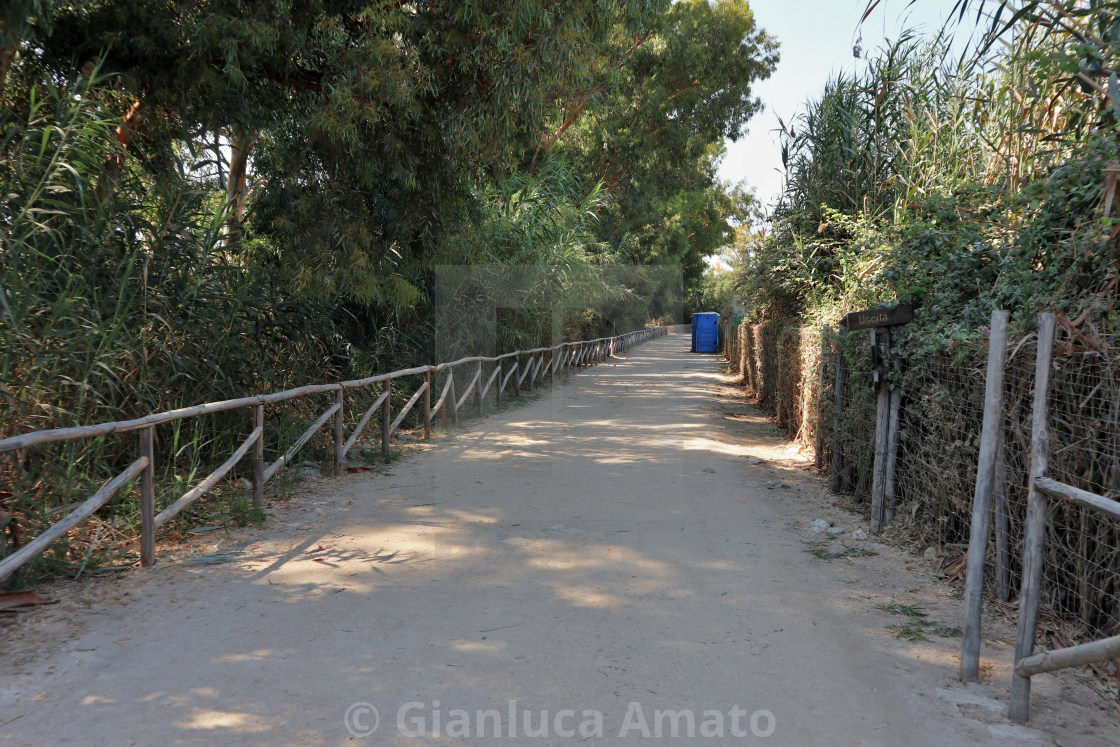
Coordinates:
(607, 551)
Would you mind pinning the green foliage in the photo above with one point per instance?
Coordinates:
(213, 198)
(717, 293)
(958, 185)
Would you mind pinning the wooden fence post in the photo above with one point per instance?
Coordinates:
(892, 454)
(516, 375)
(990, 437)
(1034, 530)
(479, 381)
(882, 430)
(258, 458)
(386, 412)
(822, 358)
(452, 399)
(882, 426)
(428, 405)
(339, 439)
(837, 482)
(148, 498)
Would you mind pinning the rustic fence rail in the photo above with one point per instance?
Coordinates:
(526, 369)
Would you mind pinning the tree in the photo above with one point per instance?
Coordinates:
(654, 131)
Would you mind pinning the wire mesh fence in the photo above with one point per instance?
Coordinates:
(1082, 562)
(942, 385)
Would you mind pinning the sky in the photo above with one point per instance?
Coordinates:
(816, 38)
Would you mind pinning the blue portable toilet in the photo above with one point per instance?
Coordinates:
(705, 332)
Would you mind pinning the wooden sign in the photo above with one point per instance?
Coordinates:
(900, 314)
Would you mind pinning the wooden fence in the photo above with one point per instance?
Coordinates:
(516, 371)
(1040, 488)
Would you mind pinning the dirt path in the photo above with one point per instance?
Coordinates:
(608, 551)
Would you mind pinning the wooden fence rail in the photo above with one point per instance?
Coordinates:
(561, 358)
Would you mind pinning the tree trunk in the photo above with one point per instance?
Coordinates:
(235, 185)
(7, 54)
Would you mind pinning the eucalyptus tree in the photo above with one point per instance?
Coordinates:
(653, 130)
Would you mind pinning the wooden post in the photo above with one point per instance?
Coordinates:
(882, 424)
(386, 412)
(478, 390)
(428, 405)
(516, 375)
(258, 458)
(148, 498)
(339, 439)
(1034, 530)
(818, 433)
(552, 359)
(982, 497)
(837, 482)
(452, 399)
(892, 455)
